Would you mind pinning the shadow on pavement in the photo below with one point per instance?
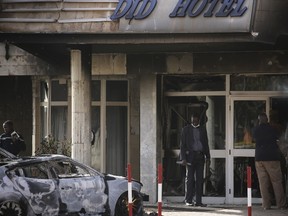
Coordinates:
(213, 210)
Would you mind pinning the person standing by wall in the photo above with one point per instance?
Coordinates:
(194, 151)
(267, 163)
(10, 140)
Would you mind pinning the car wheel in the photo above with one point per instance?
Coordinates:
(11, 208)
(121, 208)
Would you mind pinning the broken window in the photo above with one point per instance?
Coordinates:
(67, 169)
(38, 171)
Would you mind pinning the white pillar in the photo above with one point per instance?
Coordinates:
(36, 113)
(81, 108)
(148, 138)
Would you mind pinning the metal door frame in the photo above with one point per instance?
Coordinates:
(232, 153)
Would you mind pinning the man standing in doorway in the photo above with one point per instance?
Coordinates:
(267, 163)
(194, 151)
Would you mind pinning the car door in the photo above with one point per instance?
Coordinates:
(80, 190)
(34, 183)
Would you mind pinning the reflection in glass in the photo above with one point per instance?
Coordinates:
(178, 115)
(245, 119)
(259, 83)
(216, 124)
(214, 183)
(214, 178)
(278, 118)
(240, 177)
(173, 175)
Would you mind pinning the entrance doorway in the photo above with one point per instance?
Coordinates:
(231, 115)
(279, 117)
(179, 106)
(212, 112)
(244, 113)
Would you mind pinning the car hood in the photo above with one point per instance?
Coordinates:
(110, 177)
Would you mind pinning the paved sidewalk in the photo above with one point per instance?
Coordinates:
(179, 209)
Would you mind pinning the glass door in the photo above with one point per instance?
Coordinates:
(244, 113)
(178, 114)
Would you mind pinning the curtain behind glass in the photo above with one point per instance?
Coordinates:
(59, 122)
(116, 140)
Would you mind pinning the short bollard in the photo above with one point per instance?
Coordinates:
(129, 175)
(249, 194)
(160, 170)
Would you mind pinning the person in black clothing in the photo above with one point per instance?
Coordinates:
(10, 140)
(194, 151)
(267, 163)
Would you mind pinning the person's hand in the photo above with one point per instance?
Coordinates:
(14, 136)
(184, 163)
(14, 139)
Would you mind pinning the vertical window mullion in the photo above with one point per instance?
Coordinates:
(103, 125)
(49, 108)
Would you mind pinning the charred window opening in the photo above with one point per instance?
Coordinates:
(66, 169)
(37, 171)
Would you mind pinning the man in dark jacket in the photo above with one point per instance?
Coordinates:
(267, 162)
(10, 140)
(194, 151)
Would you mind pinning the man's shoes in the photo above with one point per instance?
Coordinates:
(189, 203)
(200, 205)
(284, 207)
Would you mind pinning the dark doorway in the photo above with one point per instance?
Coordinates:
(16, 105)
(278, 117)
(178, 114)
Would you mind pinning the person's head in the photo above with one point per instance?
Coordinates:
(262, 118)
(8, 126)
(195, 120)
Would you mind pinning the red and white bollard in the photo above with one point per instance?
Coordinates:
(160, 178)
(129, 175)
(249, 194)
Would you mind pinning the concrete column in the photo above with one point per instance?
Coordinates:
(148, 130)
(81, 107)
(36, 113)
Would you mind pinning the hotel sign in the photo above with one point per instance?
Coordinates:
(184, 16)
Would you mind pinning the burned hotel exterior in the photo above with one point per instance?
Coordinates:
(119, 79)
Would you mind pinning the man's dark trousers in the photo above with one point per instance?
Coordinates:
(194, 178)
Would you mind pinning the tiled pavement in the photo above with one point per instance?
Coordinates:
(179, 209)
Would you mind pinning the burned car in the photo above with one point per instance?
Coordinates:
(59, 185)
